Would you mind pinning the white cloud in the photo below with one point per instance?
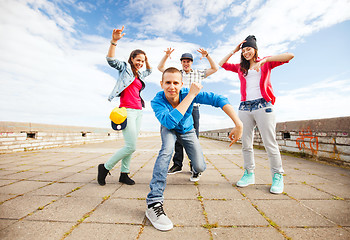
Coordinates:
(166, 17)
(279, 23)
(85, 6)
(325, 99)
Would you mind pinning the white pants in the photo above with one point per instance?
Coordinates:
(264, 118)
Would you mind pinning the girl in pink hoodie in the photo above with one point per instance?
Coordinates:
(256, 108)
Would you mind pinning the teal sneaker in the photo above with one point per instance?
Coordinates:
(277, 184)
(247, 179)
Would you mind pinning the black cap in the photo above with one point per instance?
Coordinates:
(186, 56)
(250, 42)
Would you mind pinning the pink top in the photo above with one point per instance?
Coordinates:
(130, 97)
(265, 82)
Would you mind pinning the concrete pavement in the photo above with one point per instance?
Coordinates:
(53, 194)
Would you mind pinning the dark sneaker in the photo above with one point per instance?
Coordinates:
(195, 177)
(158, 218)
(124, 178)
(102, 174)
(174, 169)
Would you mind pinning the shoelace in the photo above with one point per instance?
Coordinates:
(277, 178)
(159, 210)
(245, 176)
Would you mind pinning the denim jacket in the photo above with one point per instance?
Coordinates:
(126, 77)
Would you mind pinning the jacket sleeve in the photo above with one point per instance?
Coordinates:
(114, 63)
(212, 99)
(168, 118)
(272, 65)
(231, 67)
(146, 73)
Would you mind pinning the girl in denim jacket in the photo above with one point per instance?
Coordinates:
(128, 88)
(256, 108)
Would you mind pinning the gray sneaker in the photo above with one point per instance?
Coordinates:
(158, 218)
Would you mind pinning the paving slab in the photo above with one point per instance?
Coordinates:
(22, 187)
(185, 212)
(306, 192)
(24, 230)
(23, 206)
(56, 189)
(66, 209)
(105, 231)
(329, 233)
(196, 233)
(337, 211)
(261, 191)
(233, 213)
(53, 194)
(121, 211)
(180, 192)
(238, 233)
(291, 213)
(217, 191)
(338, 190)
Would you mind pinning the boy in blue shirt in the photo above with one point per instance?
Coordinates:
(173, 109)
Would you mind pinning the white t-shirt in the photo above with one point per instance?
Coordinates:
(253, 85)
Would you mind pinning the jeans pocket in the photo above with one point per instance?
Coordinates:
(268, 110)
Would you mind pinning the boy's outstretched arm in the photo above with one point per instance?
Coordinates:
(236, 132)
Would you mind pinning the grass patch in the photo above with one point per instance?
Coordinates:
(75, 189)
(106, 197)
(210, 226)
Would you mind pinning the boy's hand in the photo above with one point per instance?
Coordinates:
(235, 134)
(203, 52)
(195, 88)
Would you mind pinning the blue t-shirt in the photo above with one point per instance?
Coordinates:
(172, 119)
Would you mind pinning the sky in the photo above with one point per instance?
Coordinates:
(53, 68)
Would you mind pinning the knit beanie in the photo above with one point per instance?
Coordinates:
(250, 42)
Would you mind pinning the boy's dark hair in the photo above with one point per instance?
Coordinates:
(171, 70)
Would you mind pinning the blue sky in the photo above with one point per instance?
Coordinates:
(53, 68)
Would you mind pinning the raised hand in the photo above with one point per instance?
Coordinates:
(195, 88)
(117, 34)
(169, 51)
(203, 52)
(238, 47)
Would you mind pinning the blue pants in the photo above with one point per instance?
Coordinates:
(160, 171)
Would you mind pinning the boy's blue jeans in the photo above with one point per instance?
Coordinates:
(160, 171)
